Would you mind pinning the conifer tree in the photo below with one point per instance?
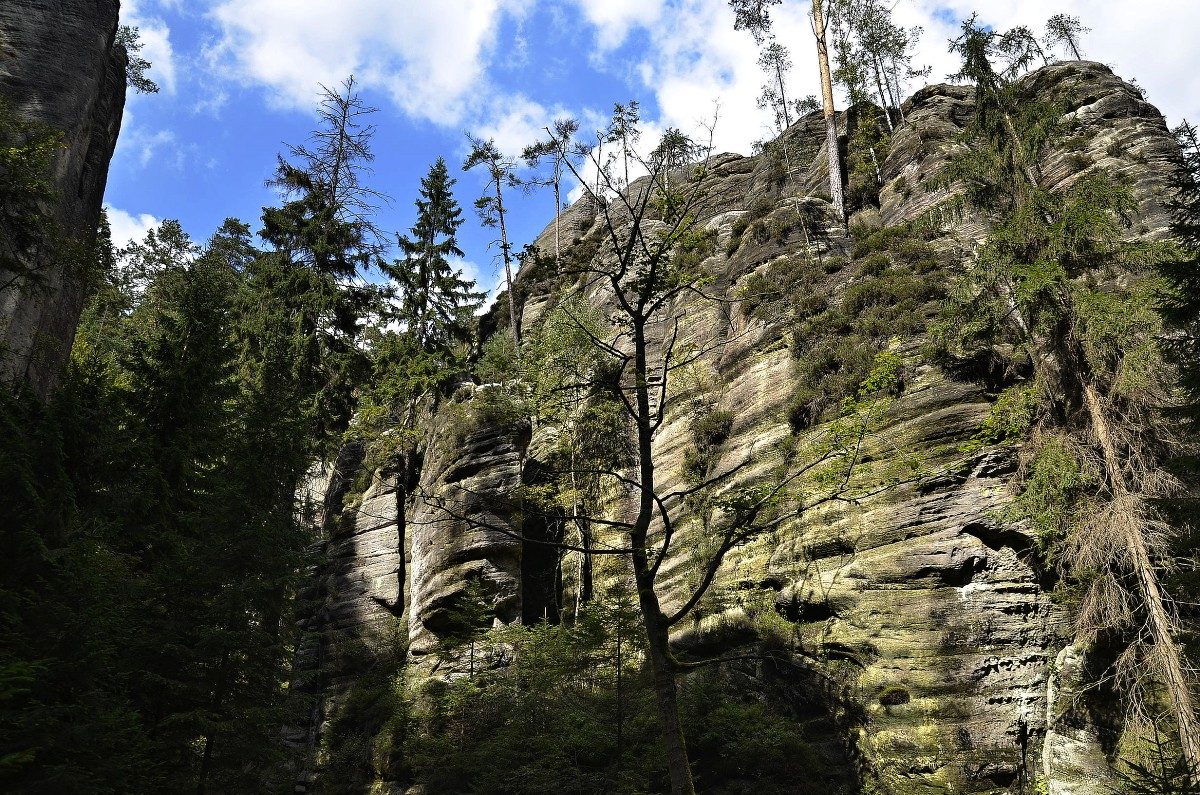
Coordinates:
(323, 237)
(1108, 437)
(556, 148)
(1065, 30)
(1180, 306)
(436, 302)
(501, 175)
(775, 62)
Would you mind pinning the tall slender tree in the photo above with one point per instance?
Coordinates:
(501, 174)
(776, 62)
(554, 149)
(820, 27)
(754, 16)
(1065, 30)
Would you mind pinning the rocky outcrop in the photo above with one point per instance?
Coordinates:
(925, 603)
(60, 65)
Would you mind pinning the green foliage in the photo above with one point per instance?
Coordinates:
(548, 720)
(760, 208)
(160, 462)
(836, 339)
(788, 288)
(1054, 492)
(28, 232)
(1179, 302)
(869, 144)
(436, 302)
(1161, 771)
(137, 66)
(709, 431)
(1010, 419)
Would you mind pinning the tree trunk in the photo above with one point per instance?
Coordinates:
(883, 98)
(1153, 599)
(787, 119)
(662, 665)
(831, 141)
(557, 216)
(506, 254)
(898, 98)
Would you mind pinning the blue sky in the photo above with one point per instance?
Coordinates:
(239, 81)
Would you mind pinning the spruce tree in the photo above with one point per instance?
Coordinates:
(1097, 385)
(1180, 305)
(436, 301)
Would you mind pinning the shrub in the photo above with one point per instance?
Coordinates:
(894, 696)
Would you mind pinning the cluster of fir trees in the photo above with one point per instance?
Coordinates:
(155, 547)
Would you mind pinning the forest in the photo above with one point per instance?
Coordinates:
(867, 463)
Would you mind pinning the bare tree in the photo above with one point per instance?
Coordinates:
(649, 269)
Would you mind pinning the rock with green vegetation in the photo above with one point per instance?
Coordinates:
(923, 626)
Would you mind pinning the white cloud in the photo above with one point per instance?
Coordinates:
(487, 280)
(159, 148)
(614, 19)
(695, 58)
(127, 227)
(429, 57)
(517, 122)
(697, 64)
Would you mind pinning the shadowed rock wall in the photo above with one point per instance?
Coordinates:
(59, 65)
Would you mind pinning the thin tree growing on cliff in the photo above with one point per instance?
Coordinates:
(555, 149)
(1102, 439)
(501, 174)
(754, 16)
(135, 70)
(650, 266)
(1065, 30)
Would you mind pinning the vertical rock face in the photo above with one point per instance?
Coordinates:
(59, 65)
(926, 600)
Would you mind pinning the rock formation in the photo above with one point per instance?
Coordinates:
(925, 601)
(60, 66)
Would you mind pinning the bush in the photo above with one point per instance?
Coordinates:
(894, 696)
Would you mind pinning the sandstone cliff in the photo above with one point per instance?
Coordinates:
(925, 604)
(60, 66)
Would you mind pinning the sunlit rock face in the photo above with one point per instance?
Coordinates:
(926, 605)
(59, 65)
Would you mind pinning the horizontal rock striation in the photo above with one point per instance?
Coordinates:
(923, 610)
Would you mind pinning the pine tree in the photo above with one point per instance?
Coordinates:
(436, 302)
(1064, 29)
(557, 147)
(501, 175)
